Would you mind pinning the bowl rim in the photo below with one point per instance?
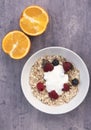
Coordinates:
(63, 48)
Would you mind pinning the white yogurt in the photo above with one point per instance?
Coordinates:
(55, 79)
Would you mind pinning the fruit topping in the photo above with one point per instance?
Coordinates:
(66, 87)
(48, 67)
(67, 66)
(75, 82)
(40, 86)
(55, 62)
(53, 94)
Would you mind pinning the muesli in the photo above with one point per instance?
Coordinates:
(54, 80)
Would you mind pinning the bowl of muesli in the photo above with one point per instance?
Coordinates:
(55, 80)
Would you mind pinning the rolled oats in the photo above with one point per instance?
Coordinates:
(36, 75)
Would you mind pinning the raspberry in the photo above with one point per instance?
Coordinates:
(40, 86)
(67, 66)
(66, 87)
(53, 94)
(48, 67)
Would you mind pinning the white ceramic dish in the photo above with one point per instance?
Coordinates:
(83, 86)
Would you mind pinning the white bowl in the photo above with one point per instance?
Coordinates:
(83, 86)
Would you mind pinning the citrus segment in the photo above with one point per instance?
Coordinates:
(16, 44)
(34, 20)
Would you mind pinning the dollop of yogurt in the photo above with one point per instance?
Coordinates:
(55, 79)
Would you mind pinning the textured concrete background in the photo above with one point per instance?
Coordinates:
(69, 26)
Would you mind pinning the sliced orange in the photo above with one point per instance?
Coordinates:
(34, 20)
(16, 44)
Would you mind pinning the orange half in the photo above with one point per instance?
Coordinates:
(34, 20)
(16, 44)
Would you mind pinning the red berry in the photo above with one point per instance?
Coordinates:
(67, 66)
(53, 94)
(48, 67)
(66, 87)
(40, 86)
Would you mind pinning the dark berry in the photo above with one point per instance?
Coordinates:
(40, 86)
(53, 94)
(66, 87)
(55, 62)
(48, 67)
(67, 66)
(44, 61)
(75, 82)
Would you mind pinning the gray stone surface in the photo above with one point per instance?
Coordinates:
(69, 26)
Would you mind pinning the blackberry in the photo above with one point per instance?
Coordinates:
(55, 62)
(75, 82)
